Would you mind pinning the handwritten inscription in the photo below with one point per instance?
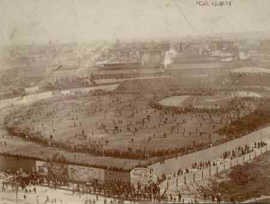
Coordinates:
(213, 3)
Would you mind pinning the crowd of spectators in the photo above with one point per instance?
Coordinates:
(28, 182)
(231, 154)
(128, 116)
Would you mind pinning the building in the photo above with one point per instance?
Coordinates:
(152, 58)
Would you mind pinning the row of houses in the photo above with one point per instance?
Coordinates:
(155, 56)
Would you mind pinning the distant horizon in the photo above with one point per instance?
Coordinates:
(222, 36)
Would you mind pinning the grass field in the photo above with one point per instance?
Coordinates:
(122, 124)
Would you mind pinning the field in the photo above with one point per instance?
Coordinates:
(144, 120)
(124, 124)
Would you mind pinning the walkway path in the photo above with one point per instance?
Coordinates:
(31, 98)
(188, 183)
(56, 196)
(172, 165)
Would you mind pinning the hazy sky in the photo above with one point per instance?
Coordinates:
(39, 21)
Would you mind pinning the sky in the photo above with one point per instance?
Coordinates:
(41, 21)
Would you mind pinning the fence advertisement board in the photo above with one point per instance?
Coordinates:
(85, 174)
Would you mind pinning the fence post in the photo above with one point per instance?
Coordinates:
(210, 170)
(202, 174)
(216, 170)
(185, 179)
(194, 177)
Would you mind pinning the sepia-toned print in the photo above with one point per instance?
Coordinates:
(134, 101)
